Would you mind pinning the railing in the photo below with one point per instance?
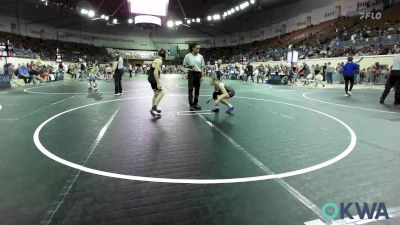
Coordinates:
(359, 43)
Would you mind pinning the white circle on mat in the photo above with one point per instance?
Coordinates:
(345, 153)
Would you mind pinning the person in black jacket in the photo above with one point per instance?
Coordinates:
(249, 72)
(393, 81)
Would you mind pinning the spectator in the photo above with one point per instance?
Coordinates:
(23, 73)
(249, 72)
(130, 69)
(349, 72)
(329, 73)
(376, 72)
(363, 73)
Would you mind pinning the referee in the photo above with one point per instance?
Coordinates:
(393, 81)
(196, 66)
(119, 71)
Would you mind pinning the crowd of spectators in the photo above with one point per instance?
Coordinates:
(345, 36)
(36, 48)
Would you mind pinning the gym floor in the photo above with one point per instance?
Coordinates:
(72, 157)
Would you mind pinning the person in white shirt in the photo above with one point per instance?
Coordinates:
(119, 71)
(108, 72)
(130, 69)
(393, 80)
(329, 73)
(196, 66)
(319, 79)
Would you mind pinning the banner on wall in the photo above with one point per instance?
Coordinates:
(369, 4)
(358, 6)
(141, 55)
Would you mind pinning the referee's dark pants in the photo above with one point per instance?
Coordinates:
(194, 82)
(392, 81)
(117, 80)
(219, 74)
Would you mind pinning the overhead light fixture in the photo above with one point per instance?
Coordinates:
(188, 21)
(170, 23)
(232, 10)
(91, 13)
(216, 17)
(252, 1)
(237, 8)
(193, 20)
(146, 19)
(178, 22)
(84, 11)
(209, 18)
(103, 17)
(198, 20)
(130, 21)
(106, 18)
(115, 21)
(244, 5)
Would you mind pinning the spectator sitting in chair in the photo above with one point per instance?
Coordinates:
(23, 73)
(33, 73)
(43, 73)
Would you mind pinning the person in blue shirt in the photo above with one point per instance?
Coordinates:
(23, 73)
(349, 71)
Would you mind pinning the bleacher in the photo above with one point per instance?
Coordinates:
(333, 38)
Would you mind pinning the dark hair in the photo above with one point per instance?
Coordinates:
(162, 53)
(192, 46)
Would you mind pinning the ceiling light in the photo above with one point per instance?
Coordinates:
(188, 21)
(170, 23)
(193, 20)
(147, 19)
(216, 17)
(209, 18)
(103, 16)
(237, 8)
(115, 21)
(107, 18)
(244, 5)
(252, 1)
(198, 20)
(130, 21)
(83, 11)
(91, 13)
(233, 10)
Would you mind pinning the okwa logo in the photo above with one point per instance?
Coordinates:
(332, 211)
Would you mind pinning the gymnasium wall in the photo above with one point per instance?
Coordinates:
(292, 17)
(366, 61)
(100, 40)
(269, 23)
